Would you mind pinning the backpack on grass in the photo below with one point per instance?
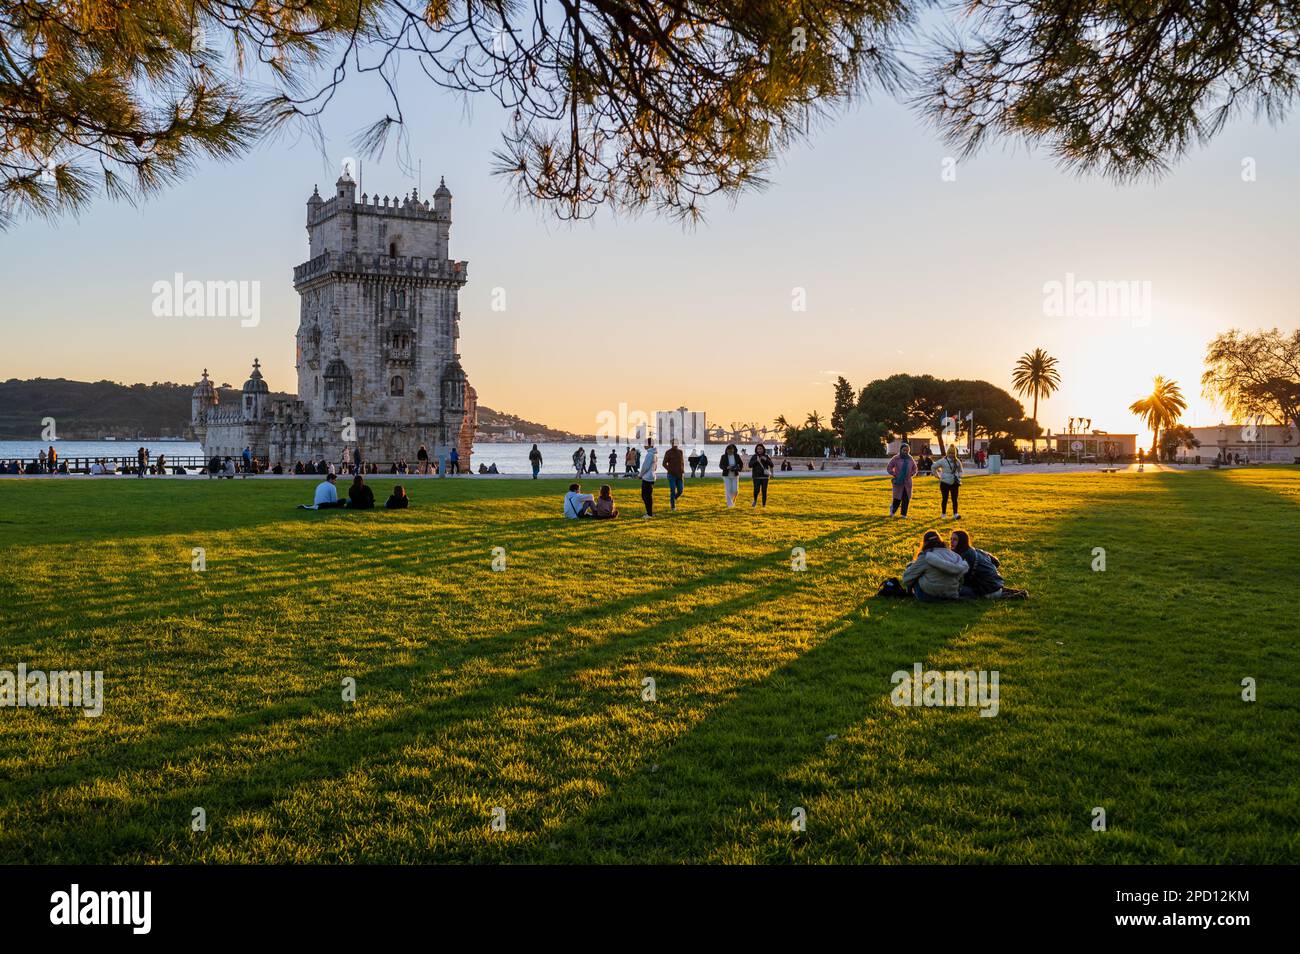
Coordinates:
(891, 587)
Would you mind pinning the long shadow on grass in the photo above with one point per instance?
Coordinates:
(244, 583)
(704, 789)
(733, 779)
(168, 747)
(1111, 699)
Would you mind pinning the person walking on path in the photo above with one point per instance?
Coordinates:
(949, 470)
(762, 466)
(901, 470)
(422, 456)
(592, 466)
(731, 464)
(454, 461)
(675, 466)
(579, 462)
(535, 458)
(141, 461)
(613, 462)
(647, 472)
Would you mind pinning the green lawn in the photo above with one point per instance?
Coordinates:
(522, 689)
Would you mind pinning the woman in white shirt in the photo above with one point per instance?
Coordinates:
(948, 469)
(732, 464)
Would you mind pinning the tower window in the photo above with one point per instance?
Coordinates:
(396, 386)
(392, 249)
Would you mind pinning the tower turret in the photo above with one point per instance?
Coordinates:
(442, 215)
(202, 400)
(256, 394)
(346, 189)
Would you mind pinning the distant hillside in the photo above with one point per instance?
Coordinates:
(84, 410)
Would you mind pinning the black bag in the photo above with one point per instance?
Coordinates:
(891, 587)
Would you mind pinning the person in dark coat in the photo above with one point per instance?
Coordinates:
(360, 496)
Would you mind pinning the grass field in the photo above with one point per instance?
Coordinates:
(522, 689)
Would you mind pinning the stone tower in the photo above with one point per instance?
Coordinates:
(378, 329)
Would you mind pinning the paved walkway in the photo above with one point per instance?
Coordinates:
(1007, 470)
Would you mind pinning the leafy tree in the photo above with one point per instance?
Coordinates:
(626, 103)
(902, 402)
(864, 437)
(997, 413)
(1035, 376)
(845, 401)
(1121, 88)
(618, 102)
(1161, 408)
(907, 403)
(1175, 437)
(1255, 373)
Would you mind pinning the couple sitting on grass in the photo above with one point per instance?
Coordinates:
(360, 496)
(580, 505)
(940, 574)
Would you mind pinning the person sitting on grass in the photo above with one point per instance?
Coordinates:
(983, 581)
(360, 496)
(397, 500)
(327, 496)
(605, 507)
(935, 575)
(577, 504)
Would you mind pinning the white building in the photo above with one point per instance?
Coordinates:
(686, 427)
(1263, 442)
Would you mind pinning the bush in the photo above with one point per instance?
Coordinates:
(809, 441)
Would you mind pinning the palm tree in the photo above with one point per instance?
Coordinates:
(1035, 375)
(1161, 408)
(814, 420)
(782, 425)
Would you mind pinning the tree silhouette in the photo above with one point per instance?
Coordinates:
(1035, 376)
(1161, 408)
(621, 103)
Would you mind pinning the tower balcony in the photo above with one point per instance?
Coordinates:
(361, 264)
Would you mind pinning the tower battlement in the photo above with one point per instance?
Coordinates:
(399, 207)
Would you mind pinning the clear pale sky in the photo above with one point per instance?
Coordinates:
(903, 272)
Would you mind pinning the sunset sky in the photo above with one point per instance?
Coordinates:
(902, 270)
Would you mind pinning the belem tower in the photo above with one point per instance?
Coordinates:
(378, 368)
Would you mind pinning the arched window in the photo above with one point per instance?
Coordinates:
(396, 386)
(392, 249)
